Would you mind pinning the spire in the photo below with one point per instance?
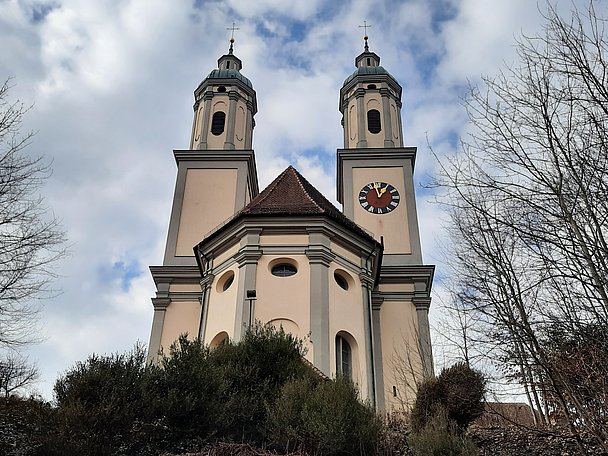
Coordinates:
(232, 29)
(365, 37)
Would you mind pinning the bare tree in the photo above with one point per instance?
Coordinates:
(31, 239)
(16, 373)
(528, 204)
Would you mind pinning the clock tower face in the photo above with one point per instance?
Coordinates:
(379, 197)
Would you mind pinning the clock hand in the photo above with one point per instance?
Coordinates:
(382, 191)
(376, 188)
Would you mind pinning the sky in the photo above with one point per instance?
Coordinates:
(110, 84)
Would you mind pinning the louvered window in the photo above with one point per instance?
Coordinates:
(217, 123)
(373, 121)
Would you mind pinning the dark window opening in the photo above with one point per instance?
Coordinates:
(369, 62)
(371, 86)
(341, 281)
(344, 358)
(373, 121)
(228, 282)
(217, 123)
(284, 270)
(221, 89)
(227, 65)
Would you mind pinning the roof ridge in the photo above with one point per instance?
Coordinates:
(301, 184)
(268, 190)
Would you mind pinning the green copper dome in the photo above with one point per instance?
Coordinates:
(364, 70)
(228, 74)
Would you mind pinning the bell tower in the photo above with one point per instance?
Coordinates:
(224, 106)
(370, 103)
(216, 178)
(375, 179)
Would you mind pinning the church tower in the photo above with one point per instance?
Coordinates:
(376, 187)
(216, 178)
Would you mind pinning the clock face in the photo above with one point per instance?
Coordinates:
(379, 197)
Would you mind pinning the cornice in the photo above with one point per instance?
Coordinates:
(175, 274)
(320, 255)
(160, 303)
(248, 255)
(213, 155)
(207, 279)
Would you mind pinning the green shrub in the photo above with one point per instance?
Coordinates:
(429, 399)
(251, 375)
(249, 391)
(464, 390)
(25, 425)
(441, 437)
(324, 418)
(458, 391)
(97, 402)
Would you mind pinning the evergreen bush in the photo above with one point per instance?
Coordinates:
(324, 418)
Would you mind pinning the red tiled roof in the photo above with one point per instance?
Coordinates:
(291, 194)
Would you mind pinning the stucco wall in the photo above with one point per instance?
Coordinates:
(392, 226)
(399, 349)
(346, 314)
(180, 317)
(284, 297)
(221, 313)
(209, 199)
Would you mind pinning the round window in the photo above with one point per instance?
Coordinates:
(284, 270)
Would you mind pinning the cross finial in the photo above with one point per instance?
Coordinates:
(365, 37)
(232, 29)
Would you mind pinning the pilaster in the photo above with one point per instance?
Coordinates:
(386, 112)
(207, 97)
(424, 334)
(319, 258)
(361, 120)
(378, 367)
(233, 96)
(247, 259)
(367, 284)
(206, 283)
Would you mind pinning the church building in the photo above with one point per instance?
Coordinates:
(351, 283)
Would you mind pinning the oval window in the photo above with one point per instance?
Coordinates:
(341, 280)
(225, 281)
(373, 121)
(284, 270)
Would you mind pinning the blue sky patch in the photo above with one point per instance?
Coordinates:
(39, 11)
(122, 271)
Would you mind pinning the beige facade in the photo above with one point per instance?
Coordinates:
(350, 282)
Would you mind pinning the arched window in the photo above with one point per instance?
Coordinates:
(219, 339)
(217, 123)
(344, 358)
(373, 121)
